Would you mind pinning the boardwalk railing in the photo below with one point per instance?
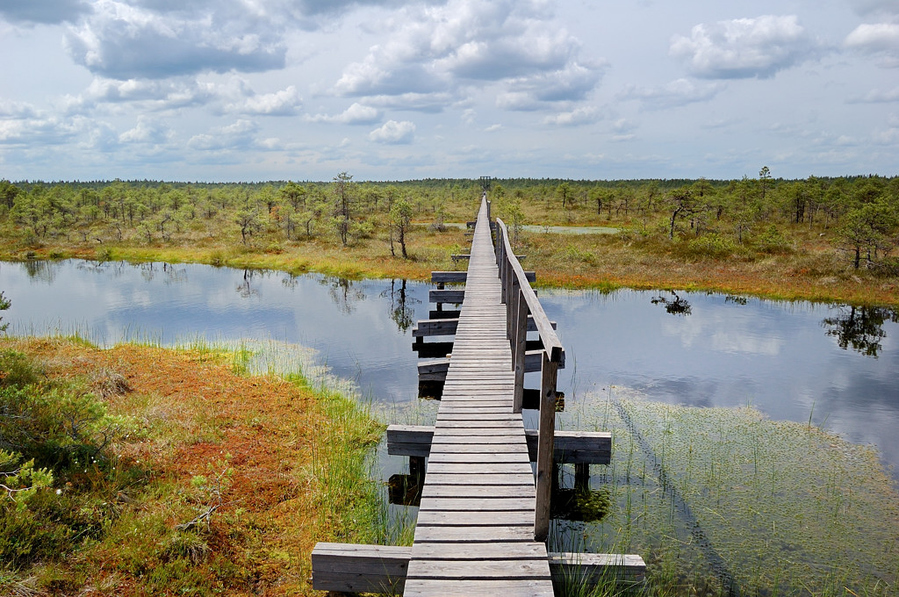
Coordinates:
(521, 301)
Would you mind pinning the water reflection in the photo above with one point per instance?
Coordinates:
(345, 293)
(40, 270)
(675, 306)
(246, 289)
(860, 327)
(401, 310)
(729, 352)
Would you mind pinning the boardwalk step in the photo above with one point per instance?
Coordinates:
(452, 277)
(436, 369)
(575, 447)
(353, 568)
(448, 327)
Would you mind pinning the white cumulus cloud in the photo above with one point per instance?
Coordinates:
(355, 114)
(880, 40)
(394, 133)
(677, 93)
(281, 103)
(745, 48)
(460, 47)
(579, 116)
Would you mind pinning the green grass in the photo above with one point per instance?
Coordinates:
(785, 508)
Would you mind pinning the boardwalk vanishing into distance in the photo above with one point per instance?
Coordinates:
(484, 514)
(475, 528)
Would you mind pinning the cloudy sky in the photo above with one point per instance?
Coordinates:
(225, 90)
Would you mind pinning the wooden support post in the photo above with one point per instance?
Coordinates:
(545, 447)
(582, 476)
(519, 349)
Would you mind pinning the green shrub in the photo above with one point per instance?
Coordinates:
(712, 245)
(60, 479)
(59, 428)
(772, 241)
(17, 370)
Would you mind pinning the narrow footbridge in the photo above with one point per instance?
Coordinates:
(484, 514)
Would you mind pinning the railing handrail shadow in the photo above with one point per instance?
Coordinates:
(521, 301)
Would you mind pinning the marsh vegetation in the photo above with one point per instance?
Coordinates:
(818, 238)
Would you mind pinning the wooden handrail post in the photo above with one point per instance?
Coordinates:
(519, 348)
(546, 438)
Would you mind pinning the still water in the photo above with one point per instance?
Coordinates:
(833, 365)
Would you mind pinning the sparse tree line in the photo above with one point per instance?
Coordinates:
(341, 210)
(858, 215)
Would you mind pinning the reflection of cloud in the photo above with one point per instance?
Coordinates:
(747, 343)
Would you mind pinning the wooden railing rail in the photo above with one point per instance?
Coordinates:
(521, 301)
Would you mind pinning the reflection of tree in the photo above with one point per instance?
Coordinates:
(401, 310)
(675, 306)
(344, 293)
(149, 271)
(245, 289)
(44, 271)
(860, 327)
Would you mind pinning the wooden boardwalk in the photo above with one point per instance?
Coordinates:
(475, 528)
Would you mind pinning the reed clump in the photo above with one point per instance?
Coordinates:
(729, 502)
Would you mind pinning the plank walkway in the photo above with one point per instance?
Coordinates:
(475, 529)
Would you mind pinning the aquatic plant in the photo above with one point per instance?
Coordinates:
(731, 501)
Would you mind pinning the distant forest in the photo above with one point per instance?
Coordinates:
(859, 215)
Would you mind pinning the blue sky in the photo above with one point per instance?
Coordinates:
(226, 90)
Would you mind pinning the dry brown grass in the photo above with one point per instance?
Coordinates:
(194, 416)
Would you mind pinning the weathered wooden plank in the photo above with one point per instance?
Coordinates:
(480, 569)
(479, 491)
(483, 468)
(446, 296)
(347, 567)
(589, 569)
(483, 448)
(478, 479)
(476, 459)
(481, 416)
(477, 588)
(359, 568)
(575, 447)
(437, 369)
(435, 327)
(448, 277)
(447, 327)
(475, 518)
(518, 550)
(471, 504)
(473, 534)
